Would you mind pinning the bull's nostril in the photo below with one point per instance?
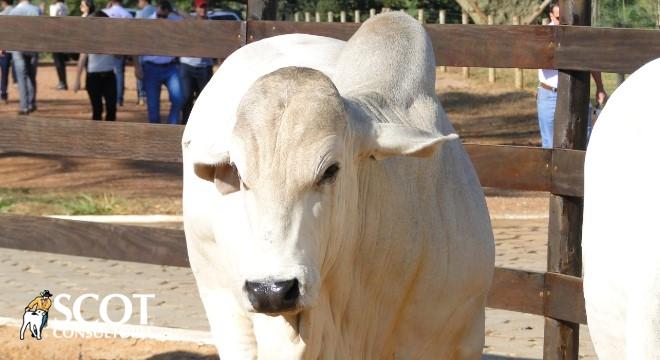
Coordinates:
(273, 296)
(293, 293)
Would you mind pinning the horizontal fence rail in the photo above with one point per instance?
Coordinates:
(510, 46)
(555, 295)
(499, 166)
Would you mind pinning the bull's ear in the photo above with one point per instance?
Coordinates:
(384, 140)
(223, 174)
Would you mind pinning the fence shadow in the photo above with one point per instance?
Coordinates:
(182, 355)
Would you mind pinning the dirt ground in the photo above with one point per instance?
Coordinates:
(481, 112)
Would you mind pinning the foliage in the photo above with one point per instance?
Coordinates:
(626, 13)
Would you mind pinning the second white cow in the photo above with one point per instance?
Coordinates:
(621, 239)
(334, 215)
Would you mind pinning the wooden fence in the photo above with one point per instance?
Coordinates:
(556, 294)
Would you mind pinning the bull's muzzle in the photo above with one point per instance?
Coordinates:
(273, 296)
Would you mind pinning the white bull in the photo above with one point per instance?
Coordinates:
(319, 234)
(32, 321)
(621, 239)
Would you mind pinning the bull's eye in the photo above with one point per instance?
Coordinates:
(329, 175)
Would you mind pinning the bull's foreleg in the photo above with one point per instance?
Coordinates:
(232, 329)
(23, 327)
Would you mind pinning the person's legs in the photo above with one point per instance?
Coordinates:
(109, 87)
(21, 76)
(200, 77)
(44, 321)
(119, 74)
(187, 79)
(152, 81)
(4, 75)
(93, 83)
(32, 64)
(173, 83)
(60, 65)
(546, 102)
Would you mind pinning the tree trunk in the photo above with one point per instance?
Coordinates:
(262, 10)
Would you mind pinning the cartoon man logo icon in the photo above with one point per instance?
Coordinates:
(36, 314)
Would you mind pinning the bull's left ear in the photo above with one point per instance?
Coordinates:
(383, 140)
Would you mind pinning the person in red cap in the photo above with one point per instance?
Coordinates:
(195, 72)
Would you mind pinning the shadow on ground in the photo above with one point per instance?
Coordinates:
(498, 357)
(182, 355)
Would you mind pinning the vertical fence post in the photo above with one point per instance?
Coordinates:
(372, 13)
(331, 16)
(308, 16)
(356, 16)
(442, 17)
(342, 16)
(296, 16)
(465, 20)
(518, 73)
(317, 16)
(420, 15)
(561, 338)
(491, 71)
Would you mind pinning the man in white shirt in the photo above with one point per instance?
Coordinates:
(59, 8)
(116, 10)
(546, 98)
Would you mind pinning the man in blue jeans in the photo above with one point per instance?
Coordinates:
(195, 72)
(25, 63)
(161, 70)
(546, 98)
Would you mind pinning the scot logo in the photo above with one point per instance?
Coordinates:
(35, 316)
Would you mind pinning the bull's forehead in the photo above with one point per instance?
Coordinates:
(289, 127)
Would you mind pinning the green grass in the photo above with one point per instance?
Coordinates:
(34, 202)
(86, 204)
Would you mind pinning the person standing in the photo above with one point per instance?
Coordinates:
(546, 97)
(100, 82)
(59, 8)
(146, 11)
(156, 71)
(195, 72)
(25, 63)
(116, 10)
(5, 57)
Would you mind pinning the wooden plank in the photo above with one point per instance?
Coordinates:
(511, 167)
(564, 298)
(517, 290)
(605, 49)
(118, 242)
(568, 172)
(257, 30)
(561, 338)
(498, 166)
(216, 39)
(96, 139)
(466, 45)
(500, 46)
(546, 294)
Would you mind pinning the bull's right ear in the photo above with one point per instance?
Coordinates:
(223, 174)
